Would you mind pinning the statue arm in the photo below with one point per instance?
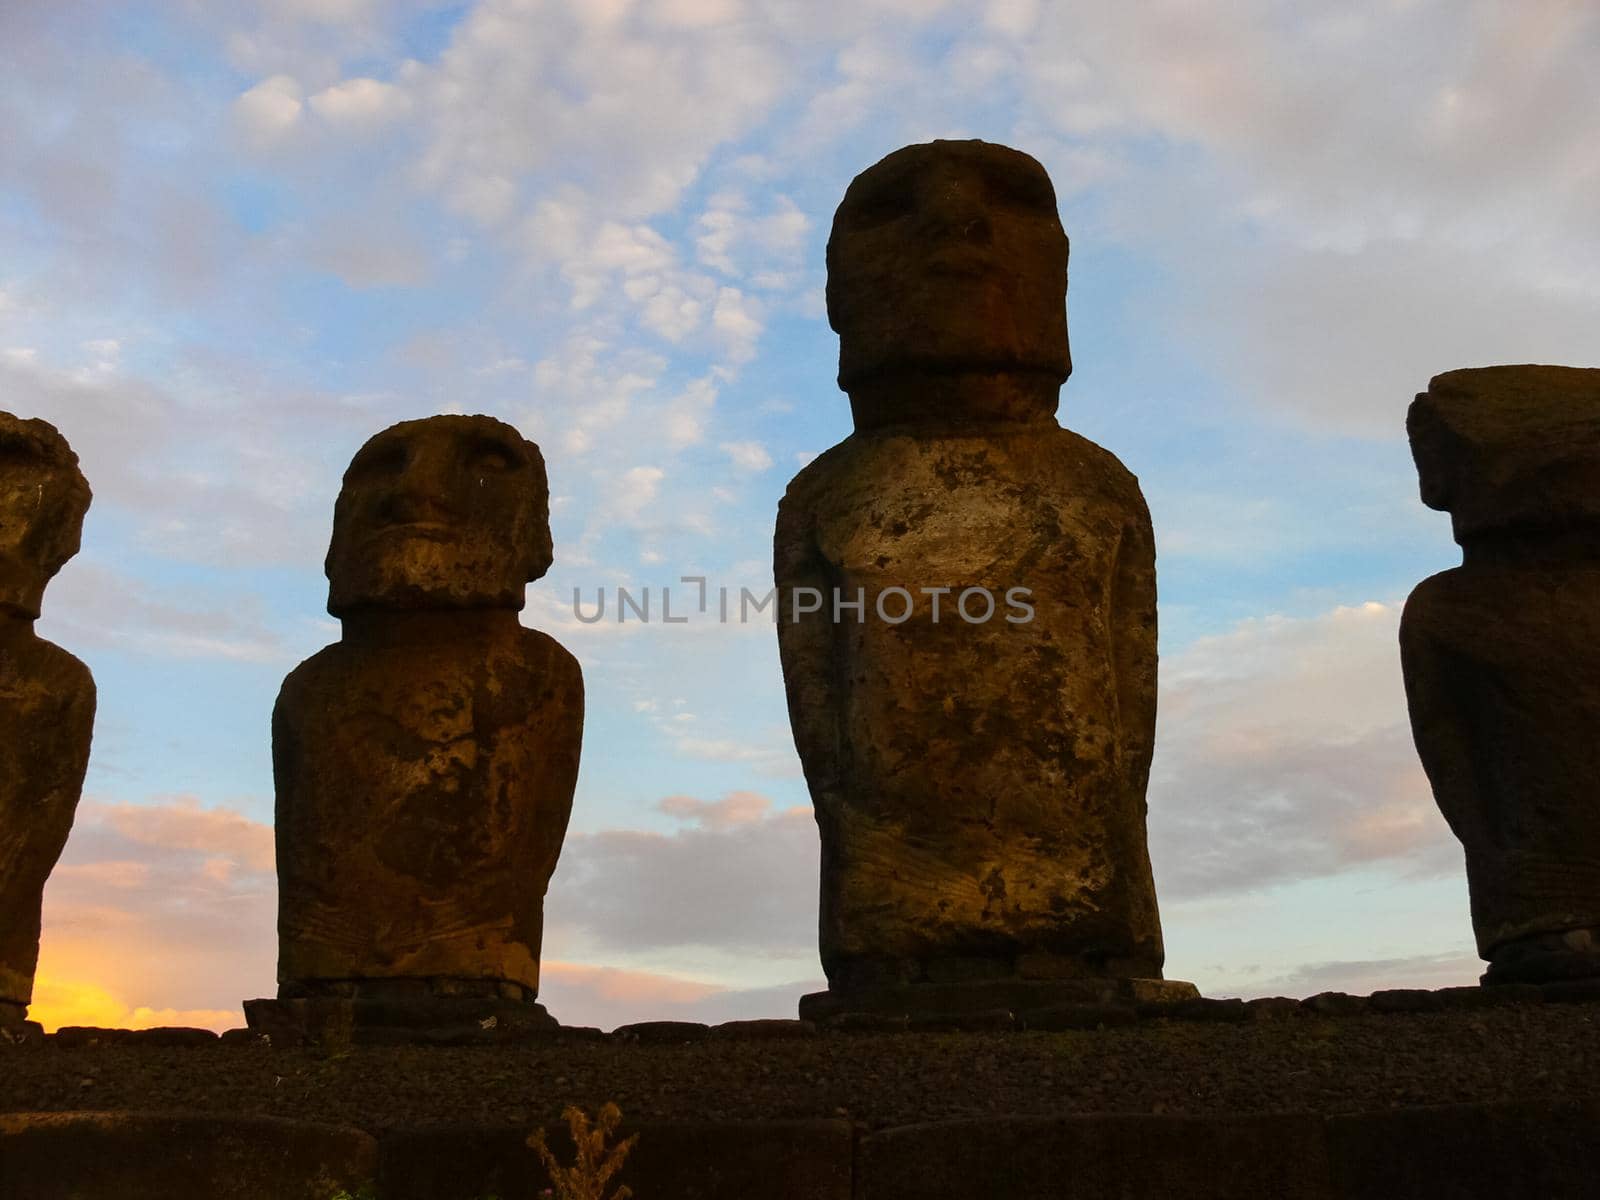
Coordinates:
(807, 650)
(1134, 622)
(1439, 699)
(61, 778)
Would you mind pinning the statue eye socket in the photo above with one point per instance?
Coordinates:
(1020, 190)
(494, 457)
(385, 458)
(879, 207)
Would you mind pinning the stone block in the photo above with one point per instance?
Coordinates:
(164, 1156)
(1097, 1158)
(733, 1160)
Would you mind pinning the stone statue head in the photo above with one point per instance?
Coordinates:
(445, 512)
(1510, 448)
(949, 257)
(43, 499)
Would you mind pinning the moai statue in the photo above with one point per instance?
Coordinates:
(1502, 656)
(976, 733)
(46, 696)
(425, 763)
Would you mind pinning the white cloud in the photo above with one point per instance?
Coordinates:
(1357, 977)
(1284, 752)
(361, 103)
(1337, 177)
(739, 878)
(747, 457)
(627, 100)
(331, 12)
(270, 110)
(731, 240)
(90, 606)
(631, 497)
(736, 808)
(736, 319)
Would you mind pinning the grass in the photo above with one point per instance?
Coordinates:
(597, 1162)
(586, 1179)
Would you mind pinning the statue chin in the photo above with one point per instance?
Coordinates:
(22, 592)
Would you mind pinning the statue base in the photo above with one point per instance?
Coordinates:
(334, 1023)
(21, 1033)
(971, 998)
(1547, 958)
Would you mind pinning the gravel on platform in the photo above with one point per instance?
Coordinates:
(1308, 1063)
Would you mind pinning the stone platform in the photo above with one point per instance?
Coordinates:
(1466, 1093)
(988, 998)
(326, 1020)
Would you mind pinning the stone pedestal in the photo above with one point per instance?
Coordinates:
(333, 1022)
(1016, 996)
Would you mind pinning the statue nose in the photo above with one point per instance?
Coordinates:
(956, 211)
(421, 493)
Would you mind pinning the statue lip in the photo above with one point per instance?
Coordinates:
(960, 260)
(436, 531)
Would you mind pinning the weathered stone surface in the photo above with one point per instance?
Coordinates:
(979, 784)
(662, 1033)
(1098, 1158)
(425, 763)
(160, 1156)
(1334, 1004)
(1501, 996)
(765, 1029)
(727, 1160)
(332, 1022)
(21, 1033)
(161, 1035)
(1079, 1016)
(1510, 448)
(1502, 656)
(1405, 1000)
(47, 696)
(1572, 991)
(991, 1020)
(1521, 1151)
(1272, 1008)
(1018, 996)
(1224, 1011)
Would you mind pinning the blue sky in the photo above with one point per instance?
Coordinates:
(237, 240)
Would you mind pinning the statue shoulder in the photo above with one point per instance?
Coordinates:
(551, 657)
(316, 671)
(1089, 463)
(60, 674)
(821, 473)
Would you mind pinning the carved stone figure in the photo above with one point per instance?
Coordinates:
(425, 763)
(1502, 656)
(977, 735)
(47, 696)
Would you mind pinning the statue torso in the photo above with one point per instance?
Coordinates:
(423, 792)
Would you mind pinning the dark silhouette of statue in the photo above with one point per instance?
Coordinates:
(1502, 656)
(979, 784)
(425, 763)
(47, 696)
